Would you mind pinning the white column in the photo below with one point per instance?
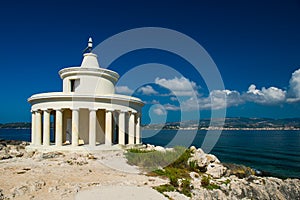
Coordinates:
(33, 127)
(121, 135)
(58, 127)
(108, 127)
(38, 125)
(75, 127)
(46, 128)
(137, 129)
(92, 128)
(131, 128)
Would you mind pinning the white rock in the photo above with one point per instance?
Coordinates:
(176, 195)
(159, 148)
(193, 149)
(215, 170)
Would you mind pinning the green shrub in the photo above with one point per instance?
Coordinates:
(173, 180)
(227, 181)
(193, 166)
(175, 165)
(135, 150)
(165, 188)
(159, 172)
(183, 156)
(212, 187)
(151, 160)
(205, 181)
(186, 187)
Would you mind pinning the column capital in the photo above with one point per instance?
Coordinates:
(74, 109)
(109, 110)
(46, 110)
(92, 109)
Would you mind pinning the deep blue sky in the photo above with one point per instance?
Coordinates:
(252, 42)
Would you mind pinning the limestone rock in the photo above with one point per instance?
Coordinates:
(176, 195)
(193, 149)
(4, 156)
(159, 148)
(49, 155)
(238, 170)
(215, 170)
(150, 147)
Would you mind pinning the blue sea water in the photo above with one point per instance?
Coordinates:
(277, 152)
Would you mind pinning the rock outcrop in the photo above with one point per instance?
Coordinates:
(12, 149)
(212, 179)
(233, 182)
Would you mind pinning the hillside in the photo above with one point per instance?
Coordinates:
(231, 123)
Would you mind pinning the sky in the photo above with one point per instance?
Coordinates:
(254, 44)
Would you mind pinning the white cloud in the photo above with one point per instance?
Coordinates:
(190, 104)
(217, 99)
(147, 90)
(266, 96)
(295, 84)
(179, 86)
(171, 107)
(159, 110)
(224, 98)
(123, 90)
(190, 100)
(154, 101)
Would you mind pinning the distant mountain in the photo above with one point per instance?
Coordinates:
(231, 123)
(16, 125)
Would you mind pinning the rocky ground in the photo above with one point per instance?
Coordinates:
(70, 175)
(62, 175)
(238, 182)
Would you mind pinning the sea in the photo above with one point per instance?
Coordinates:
(276, 152)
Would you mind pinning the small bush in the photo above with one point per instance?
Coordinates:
(175, 165)
(151, 160)
(165, 188)
(186, 187)
(173, 180)
(159, 172)
(227, 181)
(183, 156)
(134, 150)
(212, 187)
(205, 181)
(193, 166)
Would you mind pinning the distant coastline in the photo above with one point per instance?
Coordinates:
(231, 129)
(238, 123)
(230, 124)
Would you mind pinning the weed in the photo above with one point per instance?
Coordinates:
(205, 182)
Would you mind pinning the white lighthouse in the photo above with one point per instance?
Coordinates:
(87, 111)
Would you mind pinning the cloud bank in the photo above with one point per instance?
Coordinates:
(179, 86)
(220, 99)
